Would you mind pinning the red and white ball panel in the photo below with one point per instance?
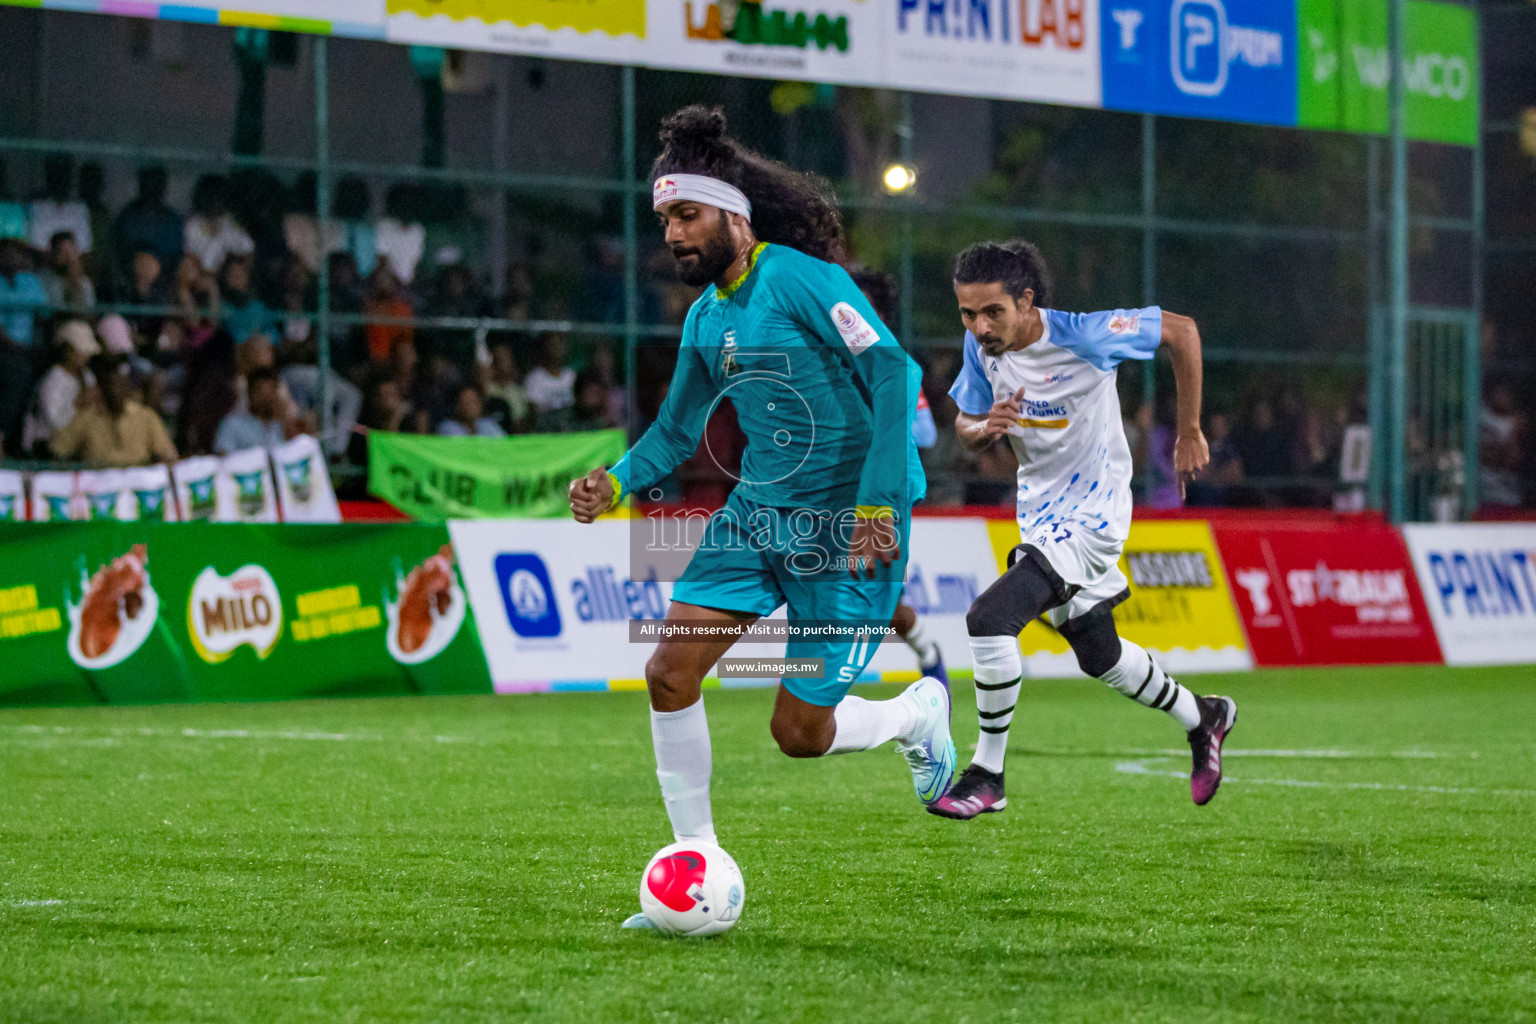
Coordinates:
(692, 889)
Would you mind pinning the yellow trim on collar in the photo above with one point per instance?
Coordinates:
(730, 289)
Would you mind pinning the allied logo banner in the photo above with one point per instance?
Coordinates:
(554, 600)
(1325, 594)
(1479, 580)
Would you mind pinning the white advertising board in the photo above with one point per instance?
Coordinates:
(1479, 580)
(553, 600)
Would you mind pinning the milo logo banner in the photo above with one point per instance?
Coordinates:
(144, 611)
(438, 478)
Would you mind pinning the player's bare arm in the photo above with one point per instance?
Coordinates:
(591, 495)
(1181, 338)
(976, 432)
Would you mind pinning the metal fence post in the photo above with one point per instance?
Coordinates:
(1397, 316)
(1473, 359)
(631, 254)
(1376, 384)
(323, 224)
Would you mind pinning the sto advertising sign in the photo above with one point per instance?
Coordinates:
(1230, 59)
(1480, 582)
(1326, 594)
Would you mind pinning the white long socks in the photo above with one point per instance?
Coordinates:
(683, 765)
(866, 724)
(1141, 678)
(999, 671)
(917, 639)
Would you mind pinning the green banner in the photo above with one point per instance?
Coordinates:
(437, 478)
(1344, 69)
(137, 612)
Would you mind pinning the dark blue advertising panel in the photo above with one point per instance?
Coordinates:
(1228, 59)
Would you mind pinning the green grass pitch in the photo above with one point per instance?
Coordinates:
(1372, 857)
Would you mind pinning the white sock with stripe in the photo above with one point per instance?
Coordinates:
(866, 724)
(683, 764)
(1138, 675)
(999, 671)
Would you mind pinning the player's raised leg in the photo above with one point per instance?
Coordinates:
(1130, 669)
(909, 626)
(917, 719)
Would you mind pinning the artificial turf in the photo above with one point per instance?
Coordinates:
(1372, 857)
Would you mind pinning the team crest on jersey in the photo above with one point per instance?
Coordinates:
(855, 331)
(1124, 324)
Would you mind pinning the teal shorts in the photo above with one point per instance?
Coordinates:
(755, 558)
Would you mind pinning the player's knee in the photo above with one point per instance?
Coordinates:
(992, 614)
(981, 620)
(1094, 641)
(671, 682)
(1013, 600)
(799, 739)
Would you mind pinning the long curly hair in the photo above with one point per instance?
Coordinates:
(789, 207)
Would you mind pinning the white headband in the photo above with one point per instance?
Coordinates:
(701, 189)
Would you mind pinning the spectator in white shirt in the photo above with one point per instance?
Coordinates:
(551, 386)
(55, 211)
(64, 277)
(262, 423)
(399, 235)
(58, 394)
(211, 233)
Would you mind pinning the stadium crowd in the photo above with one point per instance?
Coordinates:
(219, 350)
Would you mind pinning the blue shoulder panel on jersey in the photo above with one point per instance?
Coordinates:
(971, 390)
(1108, 338)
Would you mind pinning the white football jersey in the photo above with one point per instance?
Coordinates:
(1074, 499)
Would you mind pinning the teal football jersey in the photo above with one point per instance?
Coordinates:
(822, 389)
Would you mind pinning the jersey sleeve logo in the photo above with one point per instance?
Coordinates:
(1124, 323)
(855, 331)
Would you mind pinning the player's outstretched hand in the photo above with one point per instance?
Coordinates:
(1191, 455)
(591, 495)
(874, 540)
(1004, 416)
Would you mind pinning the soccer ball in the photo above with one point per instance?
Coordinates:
(692, 889)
